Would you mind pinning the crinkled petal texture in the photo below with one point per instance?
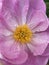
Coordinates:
(21, 8)
(32, 60)
(39, 40)
(39, 5)
(46, 52)
(19, 12)
(36, 60)
(13, 51)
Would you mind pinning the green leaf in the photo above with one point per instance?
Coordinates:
(47, 5)
(46, 0)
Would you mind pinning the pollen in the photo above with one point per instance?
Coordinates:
(22, 34)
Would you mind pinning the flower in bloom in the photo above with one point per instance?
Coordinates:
(23, 35)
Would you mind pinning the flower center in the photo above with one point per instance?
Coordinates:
(23, 34)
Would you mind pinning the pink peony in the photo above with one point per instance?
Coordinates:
(23, 35)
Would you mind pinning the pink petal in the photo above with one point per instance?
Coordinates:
(13, 51)
(10, 49)
(18, 8)
(3, 62)
(8, 5)
(38, 43)
(36, 60)
(25, 5)
(20, 60)
(21, 9)
(3, 28)
(7, 12)
(37, 49)
(39, 22)
(10, 20)
(46, 52)
(40, 38)
(0, 5)
(5, 32)
(40, 5)
(17, 12)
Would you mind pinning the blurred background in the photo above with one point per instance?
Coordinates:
(47, 4)
(47, 12)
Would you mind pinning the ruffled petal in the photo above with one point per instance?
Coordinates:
(36, 60)
(37, 49)
(5, 32)
(8, 5)
(46, 52)
(21, 10)
(40, 38)
(39, 22)
(40, 5)
(18, 8)
(4, 29)
(23, 56)
(10, 49)
(10, 20)
(39, 44)
(8, 13)
(25, 10)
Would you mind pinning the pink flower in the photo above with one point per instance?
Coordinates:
(23, 35)
(3, 62)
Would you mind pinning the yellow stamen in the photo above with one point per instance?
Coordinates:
(23, 34)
